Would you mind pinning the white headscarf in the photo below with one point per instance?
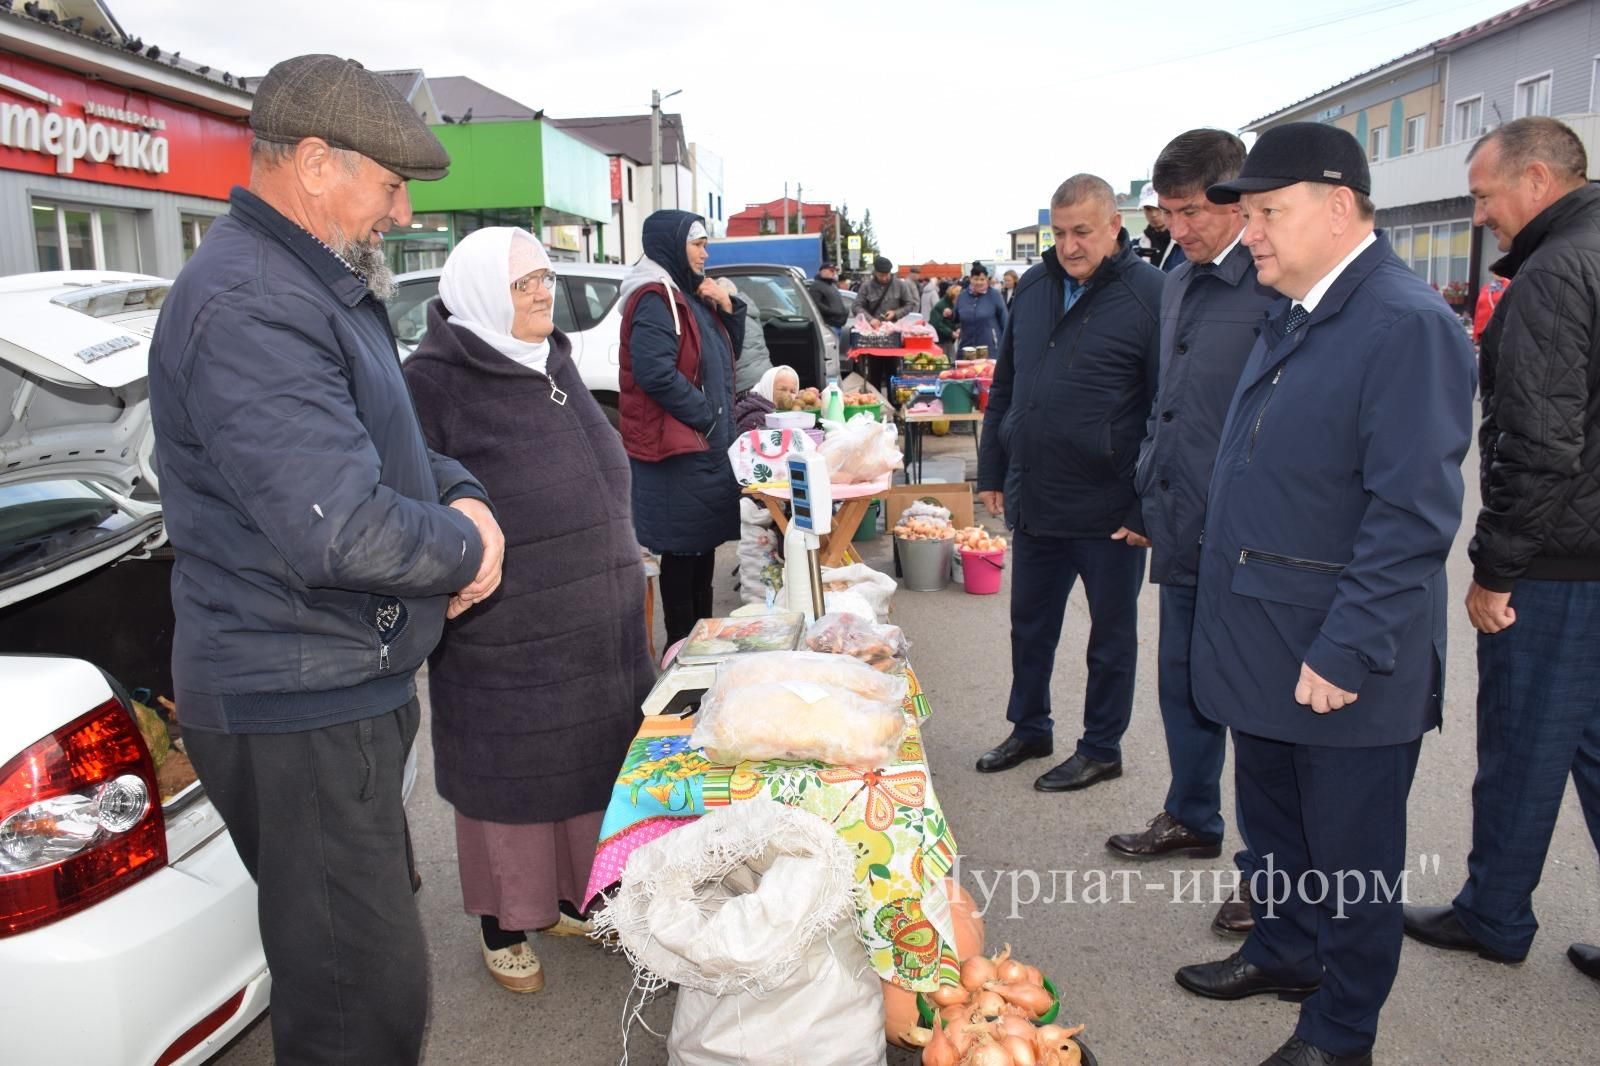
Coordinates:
(768, 383)
(476, 288)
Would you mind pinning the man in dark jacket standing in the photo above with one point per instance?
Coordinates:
(884, 297)
(1211, 309)
(1535, 593)
(825, 290)
(1320, 607)
(319, 547)
(1072, 388)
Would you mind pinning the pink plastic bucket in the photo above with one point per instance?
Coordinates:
(980, 570)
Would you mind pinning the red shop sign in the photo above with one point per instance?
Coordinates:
(56, 122)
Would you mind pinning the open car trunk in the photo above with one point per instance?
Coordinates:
(794, 343)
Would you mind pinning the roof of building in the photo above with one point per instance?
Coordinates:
(404, 82)
(86, 29)
(457, 96)
(777, 207)
(629, 135)
(1460, 38)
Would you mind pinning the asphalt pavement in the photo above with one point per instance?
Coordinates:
(1113, 961)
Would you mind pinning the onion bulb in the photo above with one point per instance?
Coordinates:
(988, 1053)
(1020, 1050)
(1031, 998)
(987, 1004)
(976, 972)
(1001, 956)
(940, 1051)
(948, 995)
(1013, 1024)
(1032, 975)
(1008, 969)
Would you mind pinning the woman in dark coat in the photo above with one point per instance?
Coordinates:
(535, 692)
(982, 312)
(679, 335)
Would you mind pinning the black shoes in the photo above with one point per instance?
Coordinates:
(1164, 835)
(1077, 772)
(1236, 978)
(1014, 752)
(1439, 927)
(1233, 917)
(1586, 957)
(1299, 1053)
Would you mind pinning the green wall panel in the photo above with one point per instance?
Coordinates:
(492, 164)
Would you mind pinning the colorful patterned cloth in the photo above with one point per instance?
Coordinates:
(889, 815)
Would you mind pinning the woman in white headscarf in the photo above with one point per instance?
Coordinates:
(535, 692)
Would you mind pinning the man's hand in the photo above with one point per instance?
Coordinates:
(949, 313)
(1133, 539)
(889, 316)
(712, 293)
(994, 501)
(1490, 612)
(494, 553)
(1320, 695)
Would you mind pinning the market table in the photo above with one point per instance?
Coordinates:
(896, 354)
(853, 501)
(915, 424)
(888, 815)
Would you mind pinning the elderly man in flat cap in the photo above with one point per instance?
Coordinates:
(319, 547)
(1320, 616)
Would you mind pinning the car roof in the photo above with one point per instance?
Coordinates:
(80, 327)
(583, 270)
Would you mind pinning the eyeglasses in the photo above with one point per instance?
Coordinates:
(546, 278)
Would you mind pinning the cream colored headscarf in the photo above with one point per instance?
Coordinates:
(476, 288)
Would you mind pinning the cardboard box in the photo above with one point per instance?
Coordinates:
(956, 496)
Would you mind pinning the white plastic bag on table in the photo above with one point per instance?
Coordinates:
(750, 911)
(876, 588)
(861, 450)
(801, 705)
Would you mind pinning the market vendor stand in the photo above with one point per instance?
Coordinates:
(853, 500)
(917, 422)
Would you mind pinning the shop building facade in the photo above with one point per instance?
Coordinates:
(109, 159)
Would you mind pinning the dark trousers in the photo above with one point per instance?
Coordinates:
(1330, 812)
(1196, 746)
(686, 592)
(1044, 569)
(318, 820)
(1538, 721)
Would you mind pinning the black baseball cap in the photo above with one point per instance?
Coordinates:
(1295, 152)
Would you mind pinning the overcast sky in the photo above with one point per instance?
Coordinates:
(952, 121)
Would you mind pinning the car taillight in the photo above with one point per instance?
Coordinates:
(79, 819)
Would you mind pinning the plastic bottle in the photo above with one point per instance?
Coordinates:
(833, 403)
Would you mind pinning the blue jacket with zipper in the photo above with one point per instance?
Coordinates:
(315, 551)
(1070, 397)
(1334, 500)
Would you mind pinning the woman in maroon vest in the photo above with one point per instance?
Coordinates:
(680, 333)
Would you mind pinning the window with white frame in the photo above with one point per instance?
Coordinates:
(1468, 119)
(1533, 96)
(1378, 143)
(1416, 134)
(1440, 253)
(84, 237)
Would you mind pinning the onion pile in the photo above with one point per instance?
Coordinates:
(977, 539)
(989, 1019)
(910, 528)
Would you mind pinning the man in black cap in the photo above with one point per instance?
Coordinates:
(884, 297)
(319, 546)
(1321, 605)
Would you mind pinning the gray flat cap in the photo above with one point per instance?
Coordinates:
(350, 107)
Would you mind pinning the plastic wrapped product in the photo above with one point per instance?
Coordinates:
(880, 647)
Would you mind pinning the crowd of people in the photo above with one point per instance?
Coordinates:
(1277, 419)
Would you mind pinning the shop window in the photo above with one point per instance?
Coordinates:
(1440, 253)
(80, 237)
(195, 228)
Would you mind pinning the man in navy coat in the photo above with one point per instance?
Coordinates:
(1320, 610)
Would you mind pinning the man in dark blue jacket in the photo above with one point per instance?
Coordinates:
(1072, 389)
(1320, 610)
(1211, 310)
(319, 546)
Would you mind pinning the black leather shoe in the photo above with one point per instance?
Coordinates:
(1236, 978)
(1165, 835)
(1439, 927)
(1299, 1053)
(1077, 772)
(1233, 917)
(1014, 752)
(1586, 957)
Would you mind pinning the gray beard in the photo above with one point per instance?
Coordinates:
(369, 261)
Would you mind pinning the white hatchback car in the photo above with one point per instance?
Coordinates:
(127, 921)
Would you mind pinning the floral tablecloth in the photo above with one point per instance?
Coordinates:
(889, 815)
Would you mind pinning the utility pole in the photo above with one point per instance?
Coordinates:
(838, 224)
(785, 229)
(800, 205)
(655, 142)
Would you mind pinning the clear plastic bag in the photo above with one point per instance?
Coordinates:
(872, 586)
(881, 647)
(801, 705)
(862, 450)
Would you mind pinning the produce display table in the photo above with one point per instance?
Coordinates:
(880, 372)
(888, 815)
(853, 502)
(916, 426)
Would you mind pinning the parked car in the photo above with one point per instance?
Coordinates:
(128, 928)
(588, 310)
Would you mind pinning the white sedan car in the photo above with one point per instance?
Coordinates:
(127, 922)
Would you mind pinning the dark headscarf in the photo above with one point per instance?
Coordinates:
(665, 237)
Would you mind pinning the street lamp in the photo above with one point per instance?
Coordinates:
(655, 140)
